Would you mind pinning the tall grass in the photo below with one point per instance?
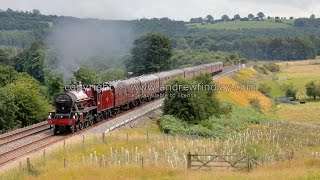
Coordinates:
(164, 153)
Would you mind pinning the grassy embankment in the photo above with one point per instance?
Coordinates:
(164, 156)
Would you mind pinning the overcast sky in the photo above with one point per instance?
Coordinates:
(174, 9)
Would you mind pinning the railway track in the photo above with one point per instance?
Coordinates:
(26, 145)
(22, 142)
(23, 132)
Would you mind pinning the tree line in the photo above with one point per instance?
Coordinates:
(265, 44)
(209, 18)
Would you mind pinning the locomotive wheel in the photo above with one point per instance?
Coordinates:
(104, 114)
(86, 124)
(115, 112)
(100, 117)
(80, 125)
(55, 131)
(72, 129)
(91, 122)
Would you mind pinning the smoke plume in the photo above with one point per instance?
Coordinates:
(96, 42)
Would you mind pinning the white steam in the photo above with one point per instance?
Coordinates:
(87, 42)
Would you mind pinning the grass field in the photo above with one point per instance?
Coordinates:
(234, 25)
(299, 74)
(164, 156)
(304, 113)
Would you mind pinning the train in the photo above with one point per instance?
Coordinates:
(84, 105)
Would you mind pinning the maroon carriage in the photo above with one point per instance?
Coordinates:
(165, 77)
(127, 93)
(150, 86)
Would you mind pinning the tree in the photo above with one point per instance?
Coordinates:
(225, 18)
(191, 105)
(209, 19)
(54, 84)
(250, 17)
(113, 74)
(261, 15)
(27, 102)
(290, 91)
(36, 12)
(7, 75)
(8, 110)
(312, 89)
(31, 61)
(151, 53)
(197, 20)
(32, 107)
(86, 75)
(237, 17)
(312, 16)
(21, 99)
(4, 57)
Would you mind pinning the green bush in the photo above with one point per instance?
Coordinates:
(272, 67)
(255, 103)
(22, 100)
(188, 104)
(260, 69)
(170, 124)
(290, 91)
(216, 127)
(199, 130)
(265, 89)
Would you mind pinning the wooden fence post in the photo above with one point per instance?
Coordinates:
(189, 160)
(82, 140)
(292, 154)
(104, 138)
(28, 165)
(64, 162)
(147, 135)
(127, 137)
(44, 154)
(141, 162)
(248, 163)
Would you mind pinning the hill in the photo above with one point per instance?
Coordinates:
(234, 25)
(263, 40)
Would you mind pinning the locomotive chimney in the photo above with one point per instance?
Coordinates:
(79, 86)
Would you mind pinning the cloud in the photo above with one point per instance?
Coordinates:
(176, 9)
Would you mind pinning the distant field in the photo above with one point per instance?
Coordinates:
(242, 25)
(304, 113)
(299, 74)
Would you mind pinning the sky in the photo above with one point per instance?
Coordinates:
(174, 9)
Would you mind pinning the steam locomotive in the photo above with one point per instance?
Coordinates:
(85, 105)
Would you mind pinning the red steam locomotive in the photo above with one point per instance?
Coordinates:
(81, 107)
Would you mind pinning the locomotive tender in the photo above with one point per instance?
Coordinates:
(80, 108)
